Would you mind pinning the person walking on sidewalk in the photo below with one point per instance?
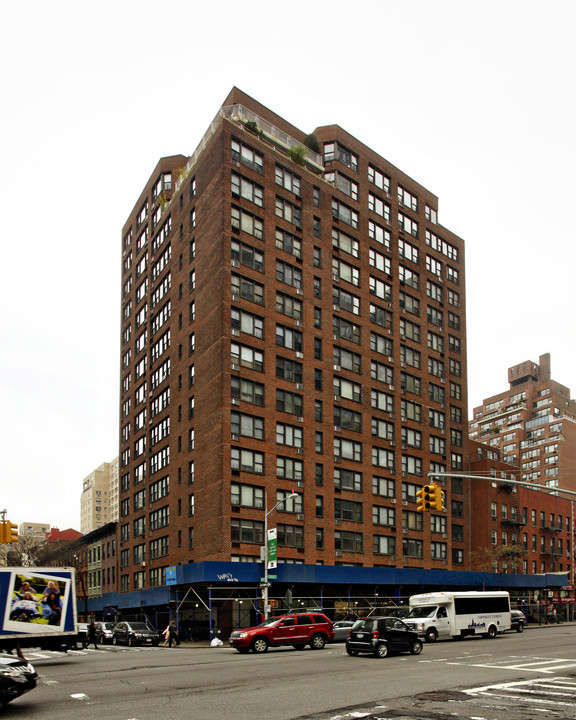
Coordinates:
(173, 634)
(91, 637)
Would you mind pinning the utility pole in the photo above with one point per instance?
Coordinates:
(266, 550)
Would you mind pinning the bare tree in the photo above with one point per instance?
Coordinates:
(500, 559)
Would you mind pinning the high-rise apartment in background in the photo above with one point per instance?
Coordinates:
(533, 424)
(293, 319)
(99, 499)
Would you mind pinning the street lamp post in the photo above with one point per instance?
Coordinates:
(267, 512)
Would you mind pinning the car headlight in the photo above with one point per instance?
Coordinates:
(242, 634)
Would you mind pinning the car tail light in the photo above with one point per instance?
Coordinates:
(375, 634)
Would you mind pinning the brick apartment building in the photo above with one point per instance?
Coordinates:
(292, 321)
(286, 326)
(532, 424)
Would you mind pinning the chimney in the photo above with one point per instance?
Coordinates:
(544, 363)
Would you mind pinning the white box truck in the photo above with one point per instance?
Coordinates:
(458, 614)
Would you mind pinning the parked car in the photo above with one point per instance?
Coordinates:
(382, 635)
(342, 630)
(104, 632)
(518, 620)
(17, 676)
(296, 629)
(82, 633)
(134, 633)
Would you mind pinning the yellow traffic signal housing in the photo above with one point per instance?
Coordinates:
(420, 500)
(11, 532)
(3, 531)
(436, 498)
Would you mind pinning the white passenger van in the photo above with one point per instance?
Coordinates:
(457, 614)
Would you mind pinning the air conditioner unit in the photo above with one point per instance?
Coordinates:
(235, 366)
(337, 458)
(235, 297)
(337, 521)
(404, 502)
(335, 278)
(300, 484)
(393, 501)
(298, 323)
(299, 386)
(337, 428)
(300, 518)
(337, 368)
(336, 307)
(390, 359)
(235, 436)
(300, 418)
(298, 291)
(235, 263)
(300, 451)
(235, 332)
(337, 397)
(338, 553)
(391, 387)
(444, 535)
(299, 355)
(235, 401)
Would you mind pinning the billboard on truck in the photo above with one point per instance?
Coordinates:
(37, 603)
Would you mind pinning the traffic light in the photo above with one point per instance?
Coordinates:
(436, 498)
(8, 532)
(11, 532)
(423, 499)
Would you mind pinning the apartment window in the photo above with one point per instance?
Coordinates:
(247, 323)
(247, 425)
(379, 234)
(383, 429)
(289, 469)
(287, 305)
(288, 242)
(247, 460)
(408, 251)
(247, 156)
(383, 545)
(347, 510)
(247, 390)
(343, 183)
(379, 206)
(411, 438)
(288, 180)
(347, 449)
(345, 300)
(346, 541)
(347, 419)
(318, 413)
(382, 401)
(413, 548)
(288, 211)
(411, 520)
(345, 243)
(436, 393)
(288, 369)
(411, 357)
(288, 274)
(438, 551)
(381, 344)
(382, 458)
(246, 495)
(289, 402)
(247, 255)
(247, 531)
(343, 212)
(288, 338)
(290, 536)
(347, 480)
(346, 330)
(379, 179)
(409, 277)
(248, 223)
(289, 435)
(246, 356)
(159, 518)
(412, 465)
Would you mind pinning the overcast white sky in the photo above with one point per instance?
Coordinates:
(474, 100)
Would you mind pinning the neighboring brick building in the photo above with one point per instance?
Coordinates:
(533, 425)
(535, 526)
(287, 324)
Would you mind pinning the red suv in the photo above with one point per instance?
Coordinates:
(296, 629)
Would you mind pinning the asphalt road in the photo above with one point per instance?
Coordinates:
(514, 676)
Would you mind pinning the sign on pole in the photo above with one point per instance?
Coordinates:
(171, 576)
(272, 542)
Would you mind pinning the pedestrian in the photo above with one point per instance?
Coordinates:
(91, 636)
(166, 634)
(173, 634)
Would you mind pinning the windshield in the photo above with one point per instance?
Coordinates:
(270, 621)
(424, 611)
(139, 626)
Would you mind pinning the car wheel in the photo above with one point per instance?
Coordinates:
(114, 640)
(351, 652)
(431, 635)
(317, 642)
(381, 650)
(299, 646)
(520, 627)
(243, 651)
(260, 645)
(416, 648)
(492, 632)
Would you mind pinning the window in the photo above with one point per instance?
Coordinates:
(409, 277)
(377, 178)
(346, 330)
(288, 369)
(287, 305)
(343, 212)
(411, 438)
(289, 402)
(347, 449)
(383, 429)
(247, 156)
(247, 323)
(247, 390)
(348, 419)
(246, 460)
(289, 435)
(288, 211)
(346, 541)
(347, 480)
(381, 372)
(159, 518)
(247, 255)
(379, 234)
(411, 520)
(247, 289)
(290, 535)
(381, 344)
(383, 486)
(344, 242)
(288, 242)
(343, 183)
(409, 303)
(409, 356)
(247, 531)
(345, 300)
(412, 465)
(406, 224)
(288, 338)
(347, 389)
(288, 180)
(384, 545)
(408, 251)
(380, 262)
(246, 356)
(346, 272)
(347, 510)
(247, 495)
(247, 425)
(381, 457)
(441, 246)
(248, 223)
(335, 151)
(288, 274)
(289, 469)
(380, 288)
(407, 199)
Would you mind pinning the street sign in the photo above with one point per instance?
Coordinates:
(171, 576)
(272, 544)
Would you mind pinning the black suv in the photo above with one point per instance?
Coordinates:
(134, 633)
(381, 635)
